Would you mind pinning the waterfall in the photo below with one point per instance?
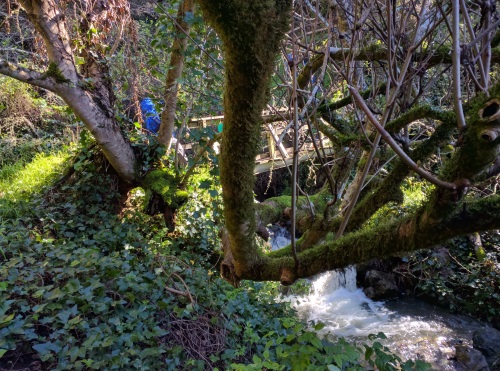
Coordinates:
(414, 328)
(334, 299)
(337, 302)
(331, 281)
(279, 237)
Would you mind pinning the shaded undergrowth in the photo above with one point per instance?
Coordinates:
(86, 284)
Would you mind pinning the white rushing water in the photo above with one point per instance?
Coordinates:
(279, 237)
(415, 329)
(343, 308)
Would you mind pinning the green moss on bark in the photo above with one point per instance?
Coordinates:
(420, 112)
(165, 184)
(272, 210)
(398, 237)
(250, 31)
(54, 71)
(476, 153)
(389, 188)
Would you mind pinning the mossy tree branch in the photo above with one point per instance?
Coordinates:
(410, 234)
(27, 75)
(418, 113)
(376, 52)
(326, 108)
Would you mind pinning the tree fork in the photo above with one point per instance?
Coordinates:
(63, 79)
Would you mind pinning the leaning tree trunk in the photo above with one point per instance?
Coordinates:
(174, 72)
(92, 104)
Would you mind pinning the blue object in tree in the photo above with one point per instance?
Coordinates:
(150, 116)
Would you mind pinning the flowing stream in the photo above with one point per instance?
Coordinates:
(414, 329)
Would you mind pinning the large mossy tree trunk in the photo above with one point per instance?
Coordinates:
(251, 32)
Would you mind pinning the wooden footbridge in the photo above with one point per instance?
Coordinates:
(276, 140)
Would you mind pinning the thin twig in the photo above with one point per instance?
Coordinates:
(316, 12)
(295, 166)
(484, 33)
(457, 94)
(186, 293)
(466, 19)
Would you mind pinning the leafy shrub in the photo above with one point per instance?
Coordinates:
(32, 122)
(453, 276)
(18, 181)
(16, 100)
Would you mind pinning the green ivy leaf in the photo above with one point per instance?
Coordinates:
(4, 320)
(205, 184)
(45, 348)
(319, 326)
(256, 360)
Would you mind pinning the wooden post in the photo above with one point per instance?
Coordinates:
(270, 144)
(281, 147)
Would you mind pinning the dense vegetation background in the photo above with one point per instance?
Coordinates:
(98, 273)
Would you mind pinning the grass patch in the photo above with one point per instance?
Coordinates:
(19, 182)
(23, 150)
(16, 181)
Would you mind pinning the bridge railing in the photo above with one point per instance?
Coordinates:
(276, 139)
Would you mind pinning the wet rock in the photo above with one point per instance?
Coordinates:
(370, 292)
(487, 340)
(380, 285)
(382, 265)
(469, 359)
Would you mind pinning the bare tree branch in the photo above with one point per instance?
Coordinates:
(399, 151)
(457, 86)
(28, 76)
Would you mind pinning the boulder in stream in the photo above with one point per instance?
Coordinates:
(380, 285)
(469, 359)
(487, 340)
